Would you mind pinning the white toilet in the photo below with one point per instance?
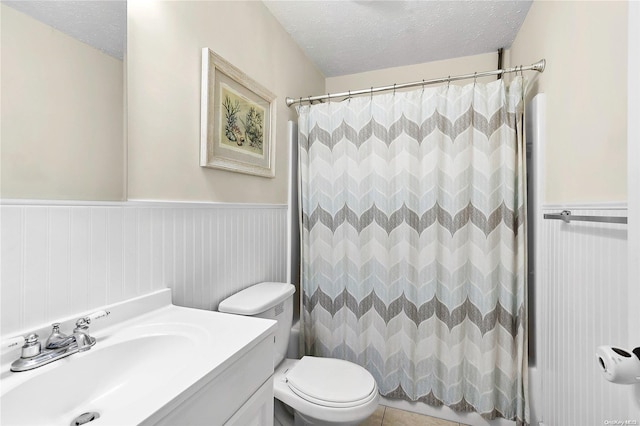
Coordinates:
(321, 391)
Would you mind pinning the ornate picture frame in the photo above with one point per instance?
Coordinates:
(238, 120)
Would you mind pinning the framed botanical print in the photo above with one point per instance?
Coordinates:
(237, 120)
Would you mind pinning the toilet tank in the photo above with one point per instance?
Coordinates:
(266, 300)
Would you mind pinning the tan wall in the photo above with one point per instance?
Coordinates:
(52, 148)
(62, 113)
(409, 73)
(164, 70)
(585, 45)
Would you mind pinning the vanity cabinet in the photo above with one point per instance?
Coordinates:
(240, 395)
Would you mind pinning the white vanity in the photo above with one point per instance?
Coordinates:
(153, 364)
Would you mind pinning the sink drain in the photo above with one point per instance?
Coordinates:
(85, 418)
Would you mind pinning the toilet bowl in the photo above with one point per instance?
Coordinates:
(320, 391)
(325, 391)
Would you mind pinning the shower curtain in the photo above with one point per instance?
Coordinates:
(413, 242)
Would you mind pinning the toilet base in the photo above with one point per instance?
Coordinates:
(283, 415)
(302, 420)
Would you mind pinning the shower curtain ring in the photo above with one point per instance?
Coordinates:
(329, 97)
(372, 92)
(300, 100)
(394, 88)
(475, 78)
(423, 84)
(309, 100)
(448, 81)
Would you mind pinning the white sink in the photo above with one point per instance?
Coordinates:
(136, 368)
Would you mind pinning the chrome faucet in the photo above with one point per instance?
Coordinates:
(57, 346)
(80, 337)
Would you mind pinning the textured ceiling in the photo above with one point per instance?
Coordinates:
(341, 37)
(346, 37)
(101, 24)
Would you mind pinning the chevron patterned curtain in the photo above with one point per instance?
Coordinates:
(413, 243)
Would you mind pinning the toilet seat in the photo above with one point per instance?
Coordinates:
(330, 382)
(325, 408)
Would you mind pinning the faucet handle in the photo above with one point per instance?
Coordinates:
(28, 342)
(13, 343)
(97, 315)
(83, 322)
(31, 339)
(31, 346)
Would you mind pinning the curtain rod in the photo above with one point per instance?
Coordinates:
(538, 66)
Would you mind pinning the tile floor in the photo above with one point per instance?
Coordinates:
(387, 416)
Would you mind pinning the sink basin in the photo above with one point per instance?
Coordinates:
(87, 381)
(136, 368)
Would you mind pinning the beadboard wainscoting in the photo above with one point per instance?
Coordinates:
(61, 258)
(581, 304)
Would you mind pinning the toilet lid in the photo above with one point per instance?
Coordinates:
(330, 382)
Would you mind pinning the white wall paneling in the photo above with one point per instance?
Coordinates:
(583, 291)
(58, 259)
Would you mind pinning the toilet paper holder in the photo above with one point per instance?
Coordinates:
(619, 365)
